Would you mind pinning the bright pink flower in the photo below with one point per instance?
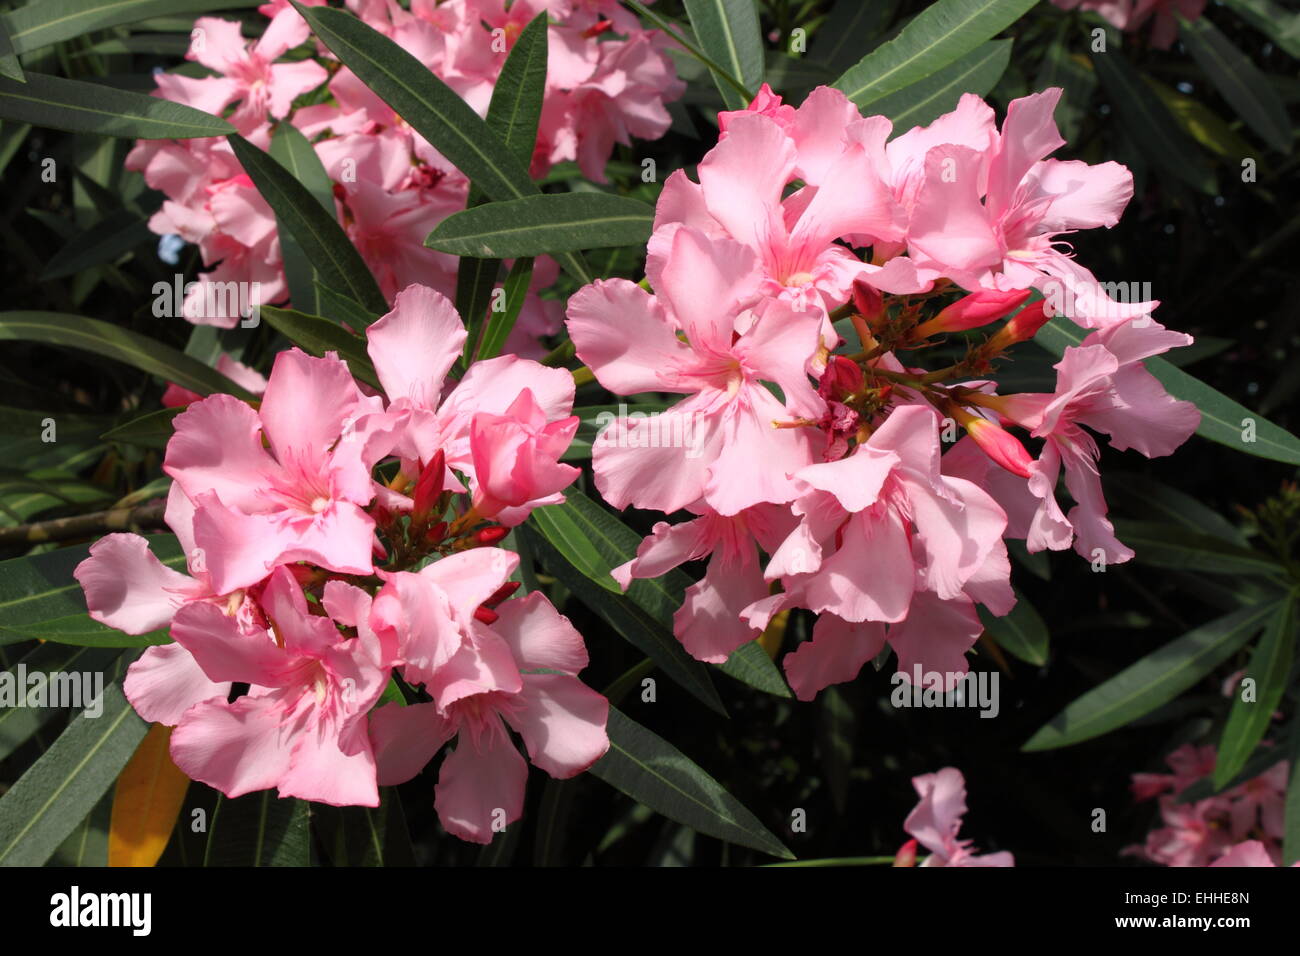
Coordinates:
(298, 498)
(708, 623)
(989, 220)
(302, 726)
(484, 679)
(937, 819)
(723, 446)
(248, 73)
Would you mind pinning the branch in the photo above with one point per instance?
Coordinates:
(145, 517)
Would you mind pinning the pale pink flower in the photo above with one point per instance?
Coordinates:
(937, 819)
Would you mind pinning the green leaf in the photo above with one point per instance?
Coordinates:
(1141, 494)
(113, 236)
(544, 224)
(37, 589)
(939, 35)
(1169, 546)
(847, 29)
(290, 149)
(1150, 124)
(259, 829)
(836, 728)
(317, 232)
(1239, 80)
(572, 567)
(119, 344)
(1291, 839)
(925, 100)
(431, 108)
(750, 665)
(513, 114)
(18, 724)
(655, 773)
(501, 322)
(1154, 680)
(1222, 420)
(60, 788)
(151, 430)
(729, 33)
(1270, 668)
(9, 65)
(80, 630)
(77, 107)
(1276, 22)
(366, 836)
(337, 306)
(1021, 633)
(317, 335)
(44, 22)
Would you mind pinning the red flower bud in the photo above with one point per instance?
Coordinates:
(491, 535)
(429, 485)
(486, 615)
(867, 300)
(501, 593)
(843, 376)
(906, 855)
(998, 443)
(1024, 325)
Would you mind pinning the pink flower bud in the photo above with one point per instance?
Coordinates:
(998, 443)
(906, 855)
(972, 311)
(867, 300)
(843, 376)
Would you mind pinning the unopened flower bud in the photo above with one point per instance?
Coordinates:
(996, 442)
(429, 485)
(867, 300)
(843, 376)
(491, 535)
(1022, 327)
(906, 855)
(486, 615)
(972, 311)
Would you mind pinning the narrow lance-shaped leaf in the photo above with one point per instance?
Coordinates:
(41, 23)
(1239, 80)
(925, 100)
(941, 33)
(79, 107)
(322, 239)
(729, 32)
(317, 335)
(1269, 670)
(57, 791)
(259, 829)
(9, 65)
(290, 149)
(121, 345)
(500, 322)
(654, 772)
(513, 114)
(548, 223)
(1154, 680)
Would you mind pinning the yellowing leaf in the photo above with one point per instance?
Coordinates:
(146, 802)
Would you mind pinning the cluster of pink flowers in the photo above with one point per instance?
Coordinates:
(832, 464)
(936, 821)
(315, 579)
(607, 81)
(1243, 826)
(1132, 15)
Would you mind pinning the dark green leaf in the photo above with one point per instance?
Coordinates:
(119, 344)
(655, 773)
(317, 335)
(56, 103)
(544, 224)
(259, 829)
(924, 101)
(939, 35)
(729, 33)
(1021, 633)
(1154, 680)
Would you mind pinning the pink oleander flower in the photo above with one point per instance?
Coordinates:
(1132, 15)
(300, 496)
(729, 453)
(937, 819)
(1101, 384)
(128, 588)
(709, 622)
(1203, 832)
(990, 219)
(301, 728)
(514, 668)
(504, 425)
(248, 73)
